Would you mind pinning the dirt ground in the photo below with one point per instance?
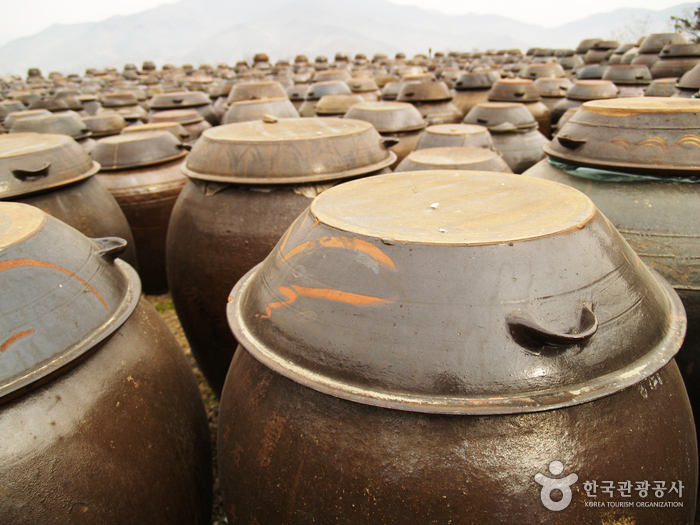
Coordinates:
(164, 306)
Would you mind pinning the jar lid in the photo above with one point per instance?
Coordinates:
(514, 90)
(181, 116)
(388, 117)
(33, 162)
(64, 123)
(65, 293)
(431, 291)
(246, 110)
(592, 89)
(105, 123)
(292, 150)
(180, 99)
(327, 87)
(501, 117)
(453, 158)
(337, 104)
(643, 134)
(133, 150)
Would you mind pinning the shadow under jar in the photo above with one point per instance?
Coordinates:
(426, 368)
(247, 182)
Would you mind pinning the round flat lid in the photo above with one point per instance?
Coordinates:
(182, 116)
(289, 150)
(456, 129)
(64, 293)
(33, 162)
(132, 150)
(388, 117)
(502, 208)
(642, 134)
(640, 106)
(432, 291)
(17, 223)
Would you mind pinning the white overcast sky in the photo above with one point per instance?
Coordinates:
(26, 17)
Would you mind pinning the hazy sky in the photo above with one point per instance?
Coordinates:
(26, 17)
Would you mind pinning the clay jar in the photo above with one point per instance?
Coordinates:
(456, 135)
(513, 130)
(393, 120)
(142, 171)
(472, 88)
(356, 396)
(454, 158)
(432, 98)
(54, 173)
(101, 420)
(196, 100)
(319, 89)
(192, 121)
(630, 80)
(676, 60)
(525, 92)
(245, 110)
(247, 183)
(552, 90)
(582, 91)
(638, 160)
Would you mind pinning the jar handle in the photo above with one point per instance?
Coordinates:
(570, 142)
(390, 141)
(25, 174)
(529, 333)
(109, 248)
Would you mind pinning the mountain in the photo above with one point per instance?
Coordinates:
(213, 31)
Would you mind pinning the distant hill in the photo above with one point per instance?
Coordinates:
(213, 31)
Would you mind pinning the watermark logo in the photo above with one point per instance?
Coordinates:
(549, 485)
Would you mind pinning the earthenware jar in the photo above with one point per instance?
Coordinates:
(101, 419)
(54, 173)
(247, 183)
(387, 375)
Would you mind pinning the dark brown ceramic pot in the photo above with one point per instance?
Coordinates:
(337, 105)
(143, 173)
(525, 92)
(245, 110)
(552, 91)
(454, 158)
(315, 91)
(513, 130)
(393, 120)
(54, 173)
(676, 60)
(654, 143)
(456, 135)
(192, 121)
(105, 123)
(397, 380)
(582, 91)
(248, 181)
(101, 420)
(661, 87)
(256, 90)
(196, 100)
